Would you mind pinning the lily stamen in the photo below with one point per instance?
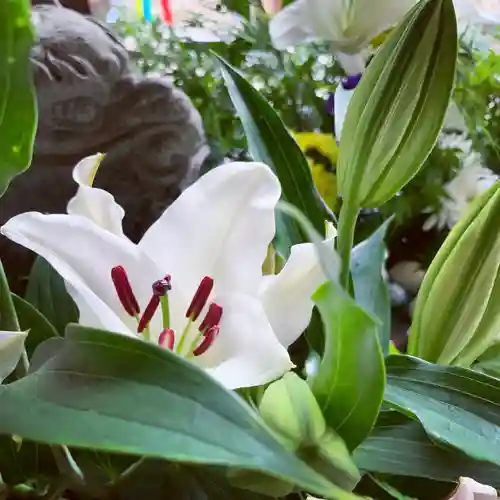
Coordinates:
(200, 298)
(124, 291)
(160, 289)
(167, 336)
(208, 340)
(212, 318)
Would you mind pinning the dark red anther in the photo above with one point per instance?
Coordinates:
(148, 314)
(200, 298)
(207, 341)
(162, 287)
(124, 290)
(167, 336)
(212, 318)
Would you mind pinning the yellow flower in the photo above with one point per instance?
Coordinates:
(321, 152)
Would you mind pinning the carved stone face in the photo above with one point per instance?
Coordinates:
(77, 63)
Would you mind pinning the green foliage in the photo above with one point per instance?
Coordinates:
(456, 406)
(105, 416)
(140, 396)
(17, 97)
(270, 143)
(350, 379)
(46, 291)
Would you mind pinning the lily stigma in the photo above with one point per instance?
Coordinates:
(204, 334)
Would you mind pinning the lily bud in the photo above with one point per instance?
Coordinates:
(395, 114)
(457, 314)
(290, 409)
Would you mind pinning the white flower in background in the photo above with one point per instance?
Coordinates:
(471, 180)
(468, 489)
(477, 22)
(11, 348)
(194, 282)
(348, 26)
(478, 11)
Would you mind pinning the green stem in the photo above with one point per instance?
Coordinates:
(345, 239)
(165, 311)
(184, 333)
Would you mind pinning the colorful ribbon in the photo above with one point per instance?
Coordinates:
(145, 10)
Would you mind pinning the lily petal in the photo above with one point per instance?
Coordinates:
(246, 353)
(220, 226)
(84, 254)
(288, 27)
(287, 296)
(95, 204)
(352, 63)
(341, 103)
(11, 348)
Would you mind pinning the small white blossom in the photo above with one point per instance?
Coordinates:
(471, 180)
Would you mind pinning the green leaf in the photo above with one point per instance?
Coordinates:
(393, 492)
(370, 288)
(271, 143)
(46, 291)
(32, 320)
(456, 406)
(8, 316)
(349, 384)
(489, 361)
(115, 393)
(17, 96)
(399, 446)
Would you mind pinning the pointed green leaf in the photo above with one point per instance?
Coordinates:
(33, 321)
(456, 406)
(46, 292)
(399, 446)
(349, 384)
(271, 143)
(370, 288)
(115, 393)
(8, 316)
(17, 96)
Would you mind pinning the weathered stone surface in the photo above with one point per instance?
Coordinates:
(91, 101)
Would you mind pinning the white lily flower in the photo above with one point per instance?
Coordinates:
(11, 348)
(95, 204)
(348, 26)
(211, 242)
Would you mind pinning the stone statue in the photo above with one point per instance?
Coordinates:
(90, 101)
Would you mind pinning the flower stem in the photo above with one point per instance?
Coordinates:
(182, 340)
(165, 311)
(345, 238)
(193, 345)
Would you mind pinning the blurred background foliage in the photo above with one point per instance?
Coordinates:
(298, 82)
